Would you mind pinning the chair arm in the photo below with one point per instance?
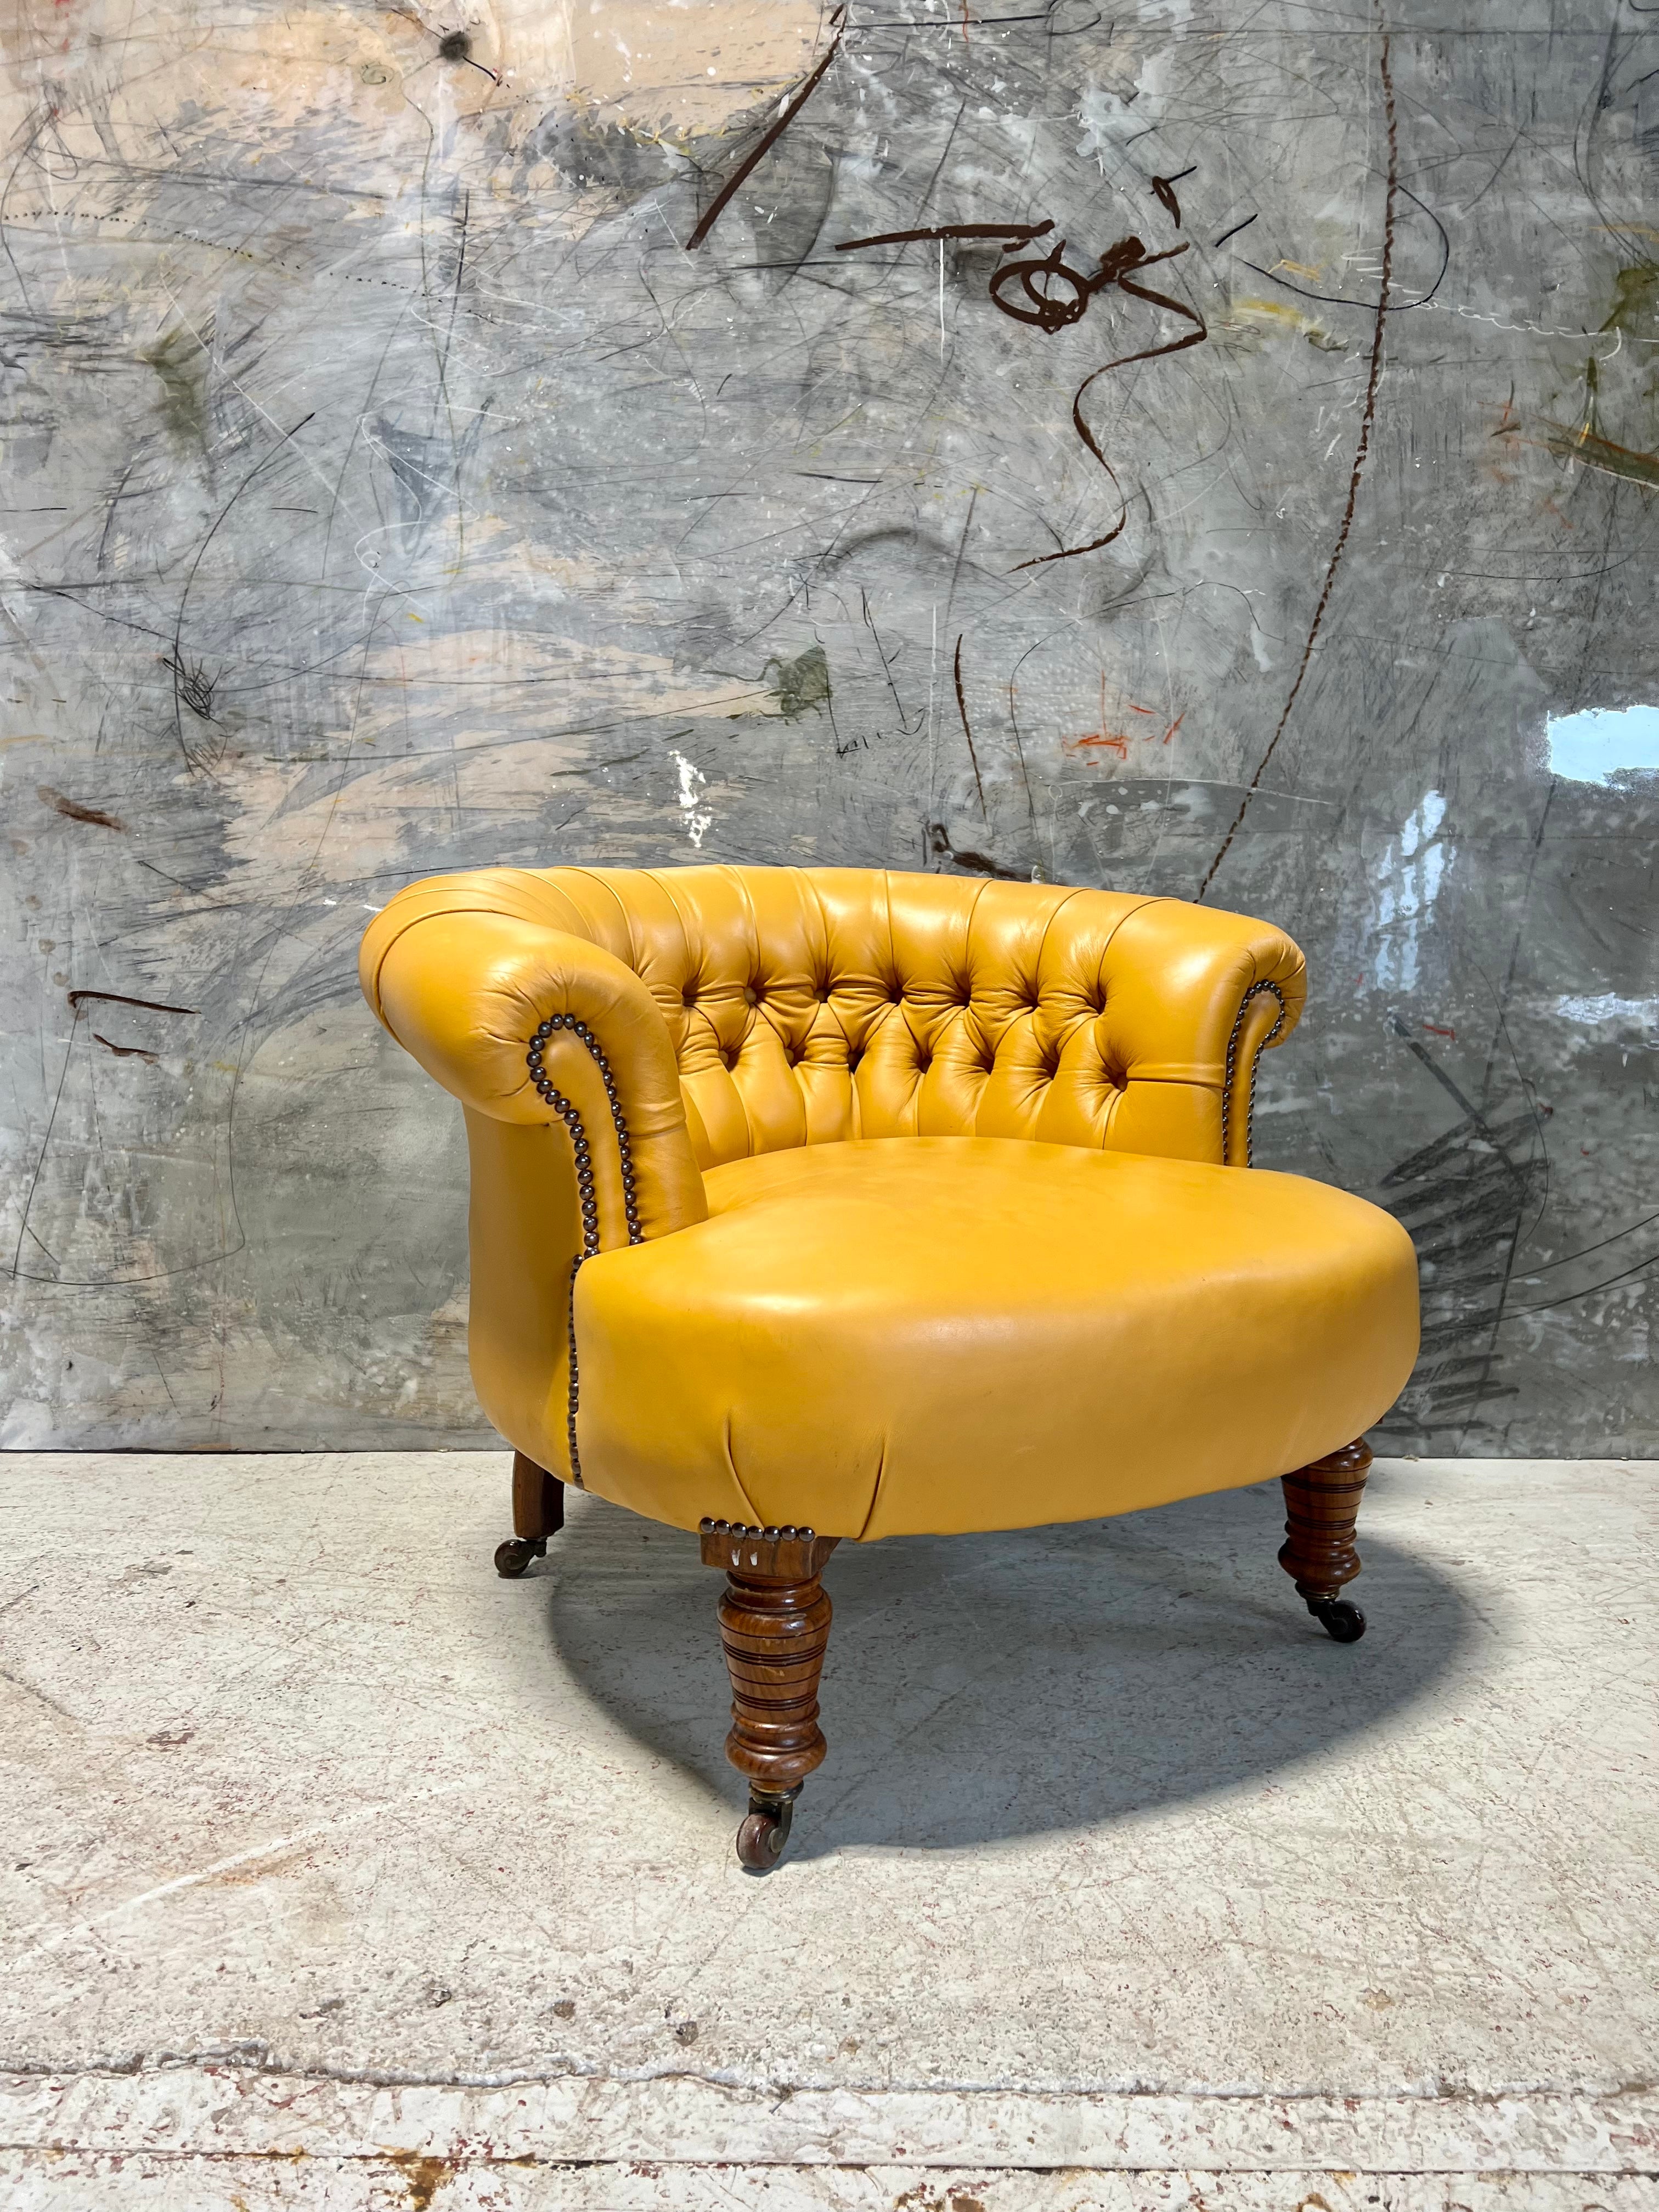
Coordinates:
(476, 992)
(1198, 995)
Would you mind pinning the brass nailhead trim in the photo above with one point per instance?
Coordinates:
(1254, 992)
(583, 1159)
(741, 1529)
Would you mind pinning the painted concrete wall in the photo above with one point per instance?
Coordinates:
(434, 438)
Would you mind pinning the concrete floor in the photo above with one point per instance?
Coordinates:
(338, 1872)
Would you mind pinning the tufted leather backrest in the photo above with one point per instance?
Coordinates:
(807, 1005)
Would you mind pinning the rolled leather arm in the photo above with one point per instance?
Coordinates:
(487, 999)
(1195, 994)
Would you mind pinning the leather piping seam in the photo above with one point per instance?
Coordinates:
(852, 1115)
(582, 1157)
(735, 877)
(1119, 1090)
(737, 1479)
(693, 958)
(1254, 992)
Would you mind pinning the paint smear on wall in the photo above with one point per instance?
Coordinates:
(655, 66)
(696, 818)
(1608, 1006)
(1604, 742)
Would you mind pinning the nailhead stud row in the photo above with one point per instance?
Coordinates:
(586, 1192)
(741, 1529)
(1254, 992)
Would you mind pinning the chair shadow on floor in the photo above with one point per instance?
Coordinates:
(986, 1688)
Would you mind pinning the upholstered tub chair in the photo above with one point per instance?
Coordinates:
(813, 1204)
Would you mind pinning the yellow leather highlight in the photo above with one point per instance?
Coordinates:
(877, 1339)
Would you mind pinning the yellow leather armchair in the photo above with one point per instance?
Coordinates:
(813, 1204)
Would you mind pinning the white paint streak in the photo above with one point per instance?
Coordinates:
(696, 818)
(1605, 1007)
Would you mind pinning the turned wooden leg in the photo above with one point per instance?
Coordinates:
(1323, 1503)
(538, 1513)
(775, 1628)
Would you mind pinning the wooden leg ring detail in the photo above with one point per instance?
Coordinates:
(1321, 1504)
(775, 1630)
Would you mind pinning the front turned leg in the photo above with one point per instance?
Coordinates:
(1323, 1503)
(538, 1513)
(775, 1628)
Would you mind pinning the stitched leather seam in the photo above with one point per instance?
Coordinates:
(1140, 906)
(571, 920)
(493, 905)
(379, 965)
(679, 915)
(968, 950)
(599, 877)
(582, 1156)
(741, 887)
(476, 904)
(1073, 890)
(810, 877)
(1111, 938)
(887, 901)
(1254, 992)
(749, 1504)
(973, 915)
(892, 964)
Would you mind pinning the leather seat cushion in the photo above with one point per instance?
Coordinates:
(896, 1335)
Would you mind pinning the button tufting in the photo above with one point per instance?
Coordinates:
(689, 994)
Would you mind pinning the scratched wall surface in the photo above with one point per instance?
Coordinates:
(500, 433)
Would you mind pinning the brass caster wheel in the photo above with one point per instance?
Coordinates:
(764, 1831)
(1343, 1622)
(514, 1557)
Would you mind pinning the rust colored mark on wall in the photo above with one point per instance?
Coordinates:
(1094, 743)
(74, 810)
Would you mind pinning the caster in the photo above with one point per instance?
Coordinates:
(764, 1831)
(1342, 1621)
(514, 1557)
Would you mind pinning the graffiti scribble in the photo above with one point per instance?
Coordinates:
(1049, 292)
